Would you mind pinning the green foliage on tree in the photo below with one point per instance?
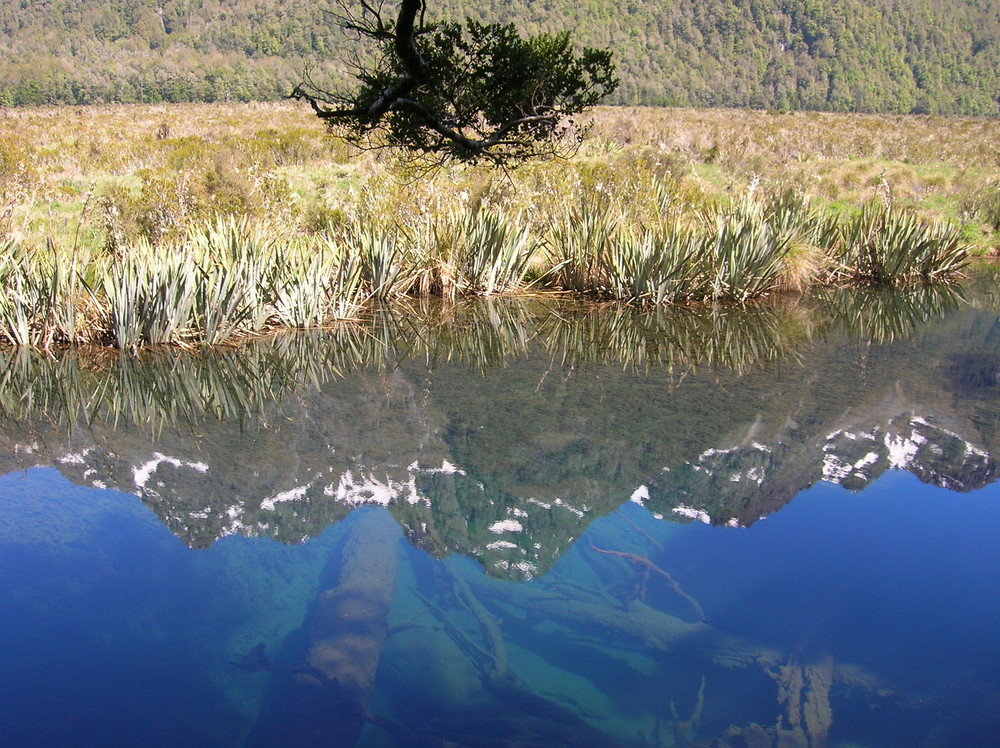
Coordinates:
(469, 92)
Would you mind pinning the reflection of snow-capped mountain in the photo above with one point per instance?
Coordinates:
(737, 485)
(445, 509)
(510, 463)
(932, 453)
(441, 508)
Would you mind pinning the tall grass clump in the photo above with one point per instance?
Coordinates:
(494, 254)
(656, 265)
(149, 295)
(19, 304)
(885, 245)
(387, 267)
(45, 298)
(729, 251)
(577, 244)
(746, 248)
(346, 287)
(315, 282)
(236, 261)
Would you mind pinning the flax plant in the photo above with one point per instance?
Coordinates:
(577, 243)
(885, 245)
(655, 266)
(387, 266)
(149, 294)
(496, 253)
(46, 299)
(745, 251)
(302, 286)
(316, 282)
(61, 296)
(236, 261)
(346, 285)
(19, 305)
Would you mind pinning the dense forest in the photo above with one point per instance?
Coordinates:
(902, 56)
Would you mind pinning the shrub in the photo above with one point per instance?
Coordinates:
(494, 255)
(886, 245)
(985, 204)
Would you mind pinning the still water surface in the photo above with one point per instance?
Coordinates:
(510, 524)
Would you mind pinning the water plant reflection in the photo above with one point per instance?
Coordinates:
(884, 315)
(680, 339)
(160, 390)
(178, 389)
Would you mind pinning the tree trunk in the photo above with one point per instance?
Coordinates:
(324, 702)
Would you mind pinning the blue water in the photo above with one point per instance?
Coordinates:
(902, 578)
(903, 574)
(497, 533)
(115, 633)
(96, 604)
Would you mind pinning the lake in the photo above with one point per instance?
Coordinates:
(515, 523)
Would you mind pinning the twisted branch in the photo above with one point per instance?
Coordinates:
(650, 566)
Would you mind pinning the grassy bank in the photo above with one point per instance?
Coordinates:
(198, 224)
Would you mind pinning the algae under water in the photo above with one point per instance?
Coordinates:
(515, 524)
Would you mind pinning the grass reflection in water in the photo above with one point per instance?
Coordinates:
(606, 643)
(172, 389)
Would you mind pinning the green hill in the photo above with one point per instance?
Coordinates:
(923, 56)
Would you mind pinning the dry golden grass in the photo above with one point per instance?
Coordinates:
(56, 161)
(107, 203)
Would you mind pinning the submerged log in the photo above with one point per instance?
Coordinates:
(637, 621)
(350, 621)
(649, 567)
(804, 694)
(325, 700)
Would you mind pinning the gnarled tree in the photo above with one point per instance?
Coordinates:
(470, 92)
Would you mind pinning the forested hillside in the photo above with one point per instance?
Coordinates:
(933, 56)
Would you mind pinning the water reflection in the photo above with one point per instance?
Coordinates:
(464, 417)
(543, 442)
(877, 315)
(176, 390)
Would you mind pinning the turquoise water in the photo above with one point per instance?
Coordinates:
(516, 543)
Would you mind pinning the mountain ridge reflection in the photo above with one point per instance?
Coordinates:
(500, 429)
(545, 445)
